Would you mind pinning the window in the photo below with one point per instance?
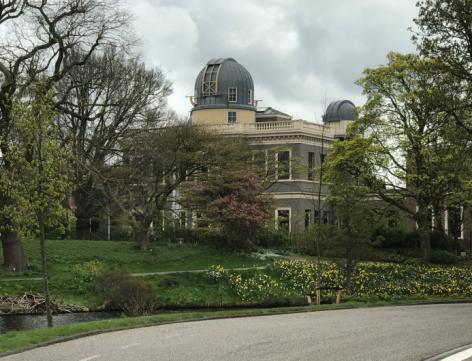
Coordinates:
(259, 158)
(311, 165)
(326, 217)
(307, 218)
(182, 219)
(282, 219)
(209, 85)
(199, 220)
(250, 99)
(454, 222)
(231, 117)
(232, 95)
(283, 165)
(181, 172)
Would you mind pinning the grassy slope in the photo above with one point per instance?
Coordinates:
(62, 254)
(193, 288)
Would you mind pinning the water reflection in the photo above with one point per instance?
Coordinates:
(28, 322)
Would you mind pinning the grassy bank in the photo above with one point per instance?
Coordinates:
(281, 283)
(64, 255)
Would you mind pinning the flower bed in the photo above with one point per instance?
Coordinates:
(381, 279)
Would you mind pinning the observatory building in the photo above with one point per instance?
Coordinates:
(224, 101)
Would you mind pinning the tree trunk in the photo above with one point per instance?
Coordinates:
(424, 225)
(349, 265)
(143, 240)
(42, 246)
(13, 253)
(82, 228)
(425, 245)
(140, 233)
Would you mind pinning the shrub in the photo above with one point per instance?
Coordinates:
(301, 276)
(271, 237)
(257, 288)
(385, 280)
(391, 237)
(85, 274)
(443, 257)
(216, 273)
(121, 291)
(208, 236)
(393, 258)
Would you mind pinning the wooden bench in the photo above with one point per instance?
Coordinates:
(317, 294)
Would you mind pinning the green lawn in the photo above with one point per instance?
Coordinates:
(197, 289)
(64, 254)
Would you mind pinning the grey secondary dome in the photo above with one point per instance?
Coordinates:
(224, 83)
(340, 110)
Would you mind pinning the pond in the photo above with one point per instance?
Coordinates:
(28, 322)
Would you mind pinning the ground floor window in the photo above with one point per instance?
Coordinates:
(326, 217)
(282, 219)
(182, 219)
(231, 117)
(308, 220)
(454, 222)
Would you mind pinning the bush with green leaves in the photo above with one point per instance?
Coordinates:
(131, 295)
(301, 276)
(256, 288)
(377, 279)
(271, 237)
(216, 273)
(85, 274)
(439, 256)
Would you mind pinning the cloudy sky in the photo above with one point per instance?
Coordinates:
(299, 52)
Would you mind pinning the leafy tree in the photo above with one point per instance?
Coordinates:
(37, 179)
(348, 172)
(417, 165)
(445, 34)
(39, 43)
(231, 194)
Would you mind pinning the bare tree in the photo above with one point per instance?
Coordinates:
(154, 164)
(99, 103)
(38, 40)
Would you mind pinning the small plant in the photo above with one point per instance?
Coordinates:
(85, 274)
(216, 273)
(258, 288)
(439, 256)
(131, 295)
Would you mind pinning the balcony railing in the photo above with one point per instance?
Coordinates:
(289, 126)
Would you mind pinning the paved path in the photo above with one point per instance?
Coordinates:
(144, 274)
(384, 333)
(193, 271)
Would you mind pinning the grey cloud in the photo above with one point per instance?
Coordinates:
(298, 52)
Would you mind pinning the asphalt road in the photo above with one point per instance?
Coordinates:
(385, 333)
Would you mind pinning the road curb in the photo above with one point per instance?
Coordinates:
(448, 353)
(209, 318)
